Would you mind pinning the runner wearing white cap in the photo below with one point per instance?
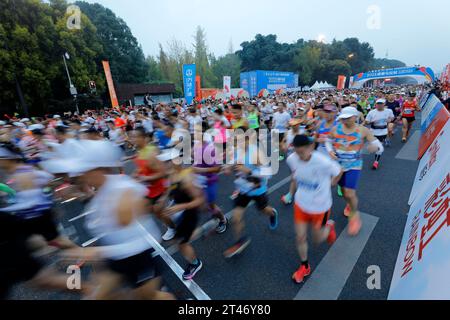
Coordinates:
(280, 124)
(117, 209)
(345, 144)
(379, 120)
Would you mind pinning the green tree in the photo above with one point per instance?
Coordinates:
(331, 69)
(163, 64)
(387, 63)
(121, 48)
(228, 65)
(154, 74)
(307, 62)
(360, 56)
(33, 37)
(203, 58)
(260, 53)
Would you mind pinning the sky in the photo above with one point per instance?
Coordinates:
(413, 31)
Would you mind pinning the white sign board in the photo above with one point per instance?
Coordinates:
(434, 161)
(227, 86)
(422, 271)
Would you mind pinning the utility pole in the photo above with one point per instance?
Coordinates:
(73, 90)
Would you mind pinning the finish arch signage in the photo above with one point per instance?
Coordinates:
(421, 74)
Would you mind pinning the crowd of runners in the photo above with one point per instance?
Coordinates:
(179, 151)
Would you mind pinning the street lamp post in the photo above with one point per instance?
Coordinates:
(73, 90)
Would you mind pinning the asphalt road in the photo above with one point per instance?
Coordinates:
(263, 271)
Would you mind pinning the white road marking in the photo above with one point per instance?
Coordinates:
(84, 214)
(69, 200)
(191, 285)
(332, 273)
(410, 151)
(93, 240)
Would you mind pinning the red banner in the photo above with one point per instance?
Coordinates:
(110, 82)
(198, 88)
(341, 82)
(433, 130)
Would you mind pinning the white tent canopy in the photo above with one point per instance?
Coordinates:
(316, 86)
(322, 86)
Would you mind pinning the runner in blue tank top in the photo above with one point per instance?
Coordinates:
(252, 183)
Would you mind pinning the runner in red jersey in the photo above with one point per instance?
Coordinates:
(410, 108)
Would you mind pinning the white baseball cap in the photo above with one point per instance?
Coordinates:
(19, 124)
(381, 101)
(91, 155)
(56, 116)
(348, 112)
(25, 120)
(36, 127)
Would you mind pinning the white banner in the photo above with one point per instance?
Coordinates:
(422, 271)
(227, 86)
(433, 162)
(429, 107)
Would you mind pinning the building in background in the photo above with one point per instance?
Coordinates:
(255, 82)
(159, 93)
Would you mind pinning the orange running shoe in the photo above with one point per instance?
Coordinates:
(354, 226)
(237, 248)
(301, 273)
(332, 235)
(347, 211)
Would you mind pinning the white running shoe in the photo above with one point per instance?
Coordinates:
(169, 235)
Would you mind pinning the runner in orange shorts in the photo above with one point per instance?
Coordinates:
(313, 175)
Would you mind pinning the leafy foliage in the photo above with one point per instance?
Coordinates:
(120, 47)
(34, 36)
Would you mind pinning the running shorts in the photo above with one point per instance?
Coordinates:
(186, 226)
(243, 200)
(137, 269)
(410, 119)
(317, 221)
(42, 225)
(19, 264)
(350, 179)
(381, 138)
(211, 192)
